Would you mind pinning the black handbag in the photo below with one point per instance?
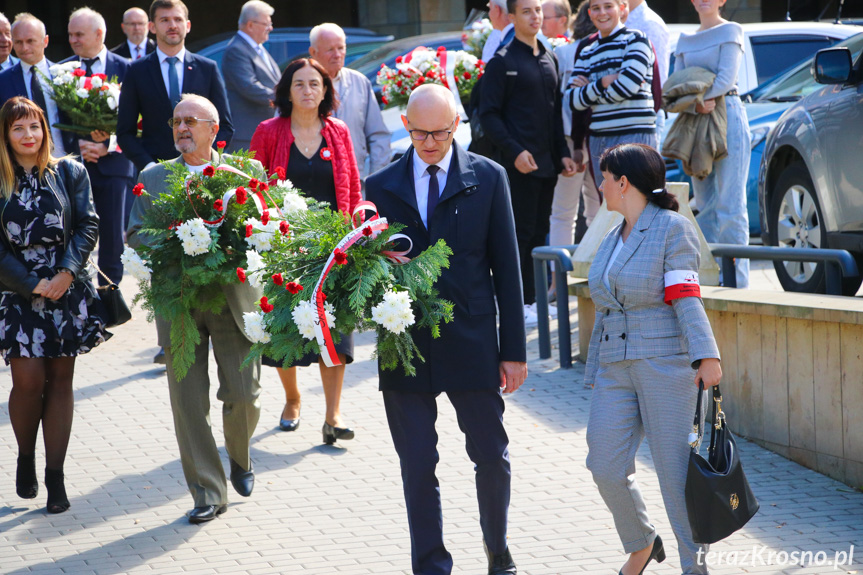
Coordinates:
(115, 305)
(719, 500)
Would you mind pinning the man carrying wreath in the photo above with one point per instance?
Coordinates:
(195, 124)
(440, 191)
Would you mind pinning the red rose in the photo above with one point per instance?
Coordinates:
(242, 195)
(284, 227)
(138, 189)
(266, 306)
(241, 273)
(221, 144)
(209, 171)
(278, 279)
(467, 75)
(217, 205)
(280, 172)
(367, 232)
(78, 72)
(430, 74)
(293, 287)
(248, 230)
(253, 183)
(88, 84)
(263, 186)
(265, 217)
(341, 257)
(399, 60)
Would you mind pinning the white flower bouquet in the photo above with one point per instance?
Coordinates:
(90, 102)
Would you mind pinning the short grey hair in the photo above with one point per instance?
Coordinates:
(96, 18)
(325, 27)
(254, 8)
(500, 4)
(27, 17)
(3, 18)
(204, 103)
(561, 9)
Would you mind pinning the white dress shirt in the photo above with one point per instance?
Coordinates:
(421, 180)
(492, 43)
(617, 247)
(53, 112)
(100, 65)
(653, 26)
(10, 61)
(163, 65)
(137, 50)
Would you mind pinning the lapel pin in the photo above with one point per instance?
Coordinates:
(190, 67)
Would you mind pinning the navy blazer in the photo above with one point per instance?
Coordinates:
(144, 93)
(474, 217)
(114, 164)
(12, 83)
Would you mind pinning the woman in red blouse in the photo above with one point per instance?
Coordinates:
(316, 152)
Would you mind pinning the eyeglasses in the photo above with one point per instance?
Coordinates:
(190, 121)
(264, 24)
(438, 135)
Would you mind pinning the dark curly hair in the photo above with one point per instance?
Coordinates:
(645, 170)
(282, 100)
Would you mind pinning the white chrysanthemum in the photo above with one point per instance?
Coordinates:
(55, 70)
(253, 323)
(255, 268)
(286, 184)
(96, 82)
(305, 315)
(195, 237)
(112, 102)
(294, 202)
(262, 235)
(394, 312)
(135, 265)
(82, 93)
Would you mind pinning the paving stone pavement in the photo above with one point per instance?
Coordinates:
(338, 509)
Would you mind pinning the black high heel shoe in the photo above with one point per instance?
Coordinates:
(658, 553)
(56, 486)
(289, 424)
(26, 483)
(332, 433)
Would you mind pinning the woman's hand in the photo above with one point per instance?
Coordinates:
(57, 286)
(707, 107)
(709, 372)
(579, 82)
(608, 80)
(40, 287)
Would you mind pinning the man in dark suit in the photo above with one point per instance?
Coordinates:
(154, 84)
(112, 175)
(7, 60)
(250, 72)
(134, 26)
(440, 191)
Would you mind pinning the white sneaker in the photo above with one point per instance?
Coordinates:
(530, 317)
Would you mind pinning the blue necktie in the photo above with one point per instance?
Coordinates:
(434, 194)
(507, 38)
(173, 81)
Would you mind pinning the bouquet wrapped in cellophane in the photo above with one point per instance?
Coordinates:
(90, 102)
(426, 66)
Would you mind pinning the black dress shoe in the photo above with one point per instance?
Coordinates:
(289, 424)
(500, 564)
(160, 357)
(332, 433)
(658, 553)
(206, 513)
(242, 480)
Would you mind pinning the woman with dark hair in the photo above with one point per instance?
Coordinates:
(316, 152)
(49, 309)
(650, 347)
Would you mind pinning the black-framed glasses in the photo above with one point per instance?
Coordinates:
(190, 121)
(438, 135)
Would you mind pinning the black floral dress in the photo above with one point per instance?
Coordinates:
(34, 326)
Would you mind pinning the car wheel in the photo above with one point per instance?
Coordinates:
(796, 222)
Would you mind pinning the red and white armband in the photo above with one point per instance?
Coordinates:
(681, 283)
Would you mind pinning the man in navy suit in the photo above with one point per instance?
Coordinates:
(134, 26)
(7, 60)
(154, 84)
(112, 175)
(24, 79)
(440, 191)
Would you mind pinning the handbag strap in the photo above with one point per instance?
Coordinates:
(101, 273)
(718, 417)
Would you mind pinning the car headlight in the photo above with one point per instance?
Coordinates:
(759, 134)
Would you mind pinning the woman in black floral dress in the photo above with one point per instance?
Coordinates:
(49, 310)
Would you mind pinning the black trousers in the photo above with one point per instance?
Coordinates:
(109, 198)
(411, 418)
(531, 205)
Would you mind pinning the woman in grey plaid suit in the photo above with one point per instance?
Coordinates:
(651, 345)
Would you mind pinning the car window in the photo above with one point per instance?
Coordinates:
(799, 82)
(774, 54)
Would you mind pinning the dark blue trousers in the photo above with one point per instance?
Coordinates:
(411, 418)
(109, 197)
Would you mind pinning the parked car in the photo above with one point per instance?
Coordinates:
(286, 44)
(811, 178)
(769, 49)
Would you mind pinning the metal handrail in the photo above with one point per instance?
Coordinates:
(562, 255)
(838, 263)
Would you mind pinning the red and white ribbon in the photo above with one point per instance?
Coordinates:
(255, 195)
(681, 283)
(376, 225)
(447, 62)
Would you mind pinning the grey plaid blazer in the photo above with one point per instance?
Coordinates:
(632, 320)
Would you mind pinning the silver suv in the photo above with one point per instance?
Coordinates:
(810, 189)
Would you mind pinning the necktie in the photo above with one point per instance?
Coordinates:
(262, 54)
(88, 65)
(173, 81)
(36, 91)
(137, 52)
(507, 38)
(434, 194)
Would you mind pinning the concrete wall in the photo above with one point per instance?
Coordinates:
(411, 17)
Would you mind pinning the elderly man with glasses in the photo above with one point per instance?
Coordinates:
(251, 74)
(195, 123)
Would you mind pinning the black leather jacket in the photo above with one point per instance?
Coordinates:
(71, 184)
